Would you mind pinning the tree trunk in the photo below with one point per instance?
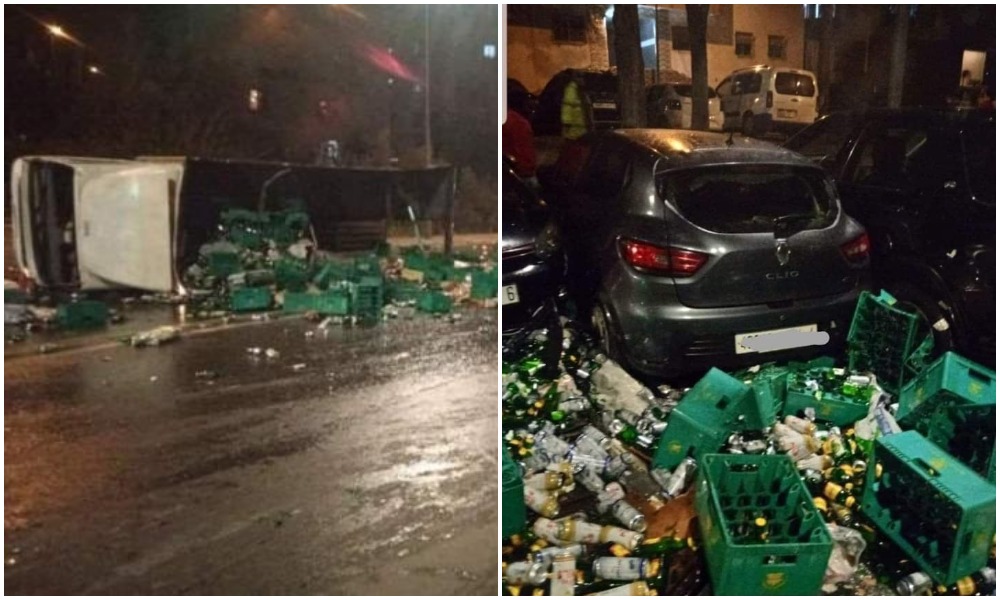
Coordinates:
(827, 59)
(697, 18)
(897, 60)
(628, 55)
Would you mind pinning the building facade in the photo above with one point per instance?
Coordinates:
(544, 39)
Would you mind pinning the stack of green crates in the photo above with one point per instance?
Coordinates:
(732, 491)
(245, 228)
(937, 510)
(953, 404)
(82, 314)
(512, 498)
(715, 407)
(331, 272)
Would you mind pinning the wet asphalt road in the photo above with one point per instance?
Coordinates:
(370, 470)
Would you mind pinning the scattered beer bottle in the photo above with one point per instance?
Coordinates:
(915, 584)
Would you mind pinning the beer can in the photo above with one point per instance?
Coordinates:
(621, 569)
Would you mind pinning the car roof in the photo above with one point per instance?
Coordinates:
(685, 148)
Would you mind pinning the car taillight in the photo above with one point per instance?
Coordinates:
(857, 249)
(673, 104)
(770, 99)
(677, 262)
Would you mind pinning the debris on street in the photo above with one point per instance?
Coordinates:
(155, 337)
(867, 474)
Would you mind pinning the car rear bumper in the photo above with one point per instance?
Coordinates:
(669, 338)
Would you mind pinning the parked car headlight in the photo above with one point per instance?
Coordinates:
(547, 243)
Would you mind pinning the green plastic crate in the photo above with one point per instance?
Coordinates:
(968, 433)
(716, 406)
(368, 296)
(951, 378)
(250, 299)
(434, 302)
(512, 500)
(83, 314)
(953, 404)
(332, 272)
(223, 264)
(883, 340)
(403, 291)
(332, 302)
(367, 266)
(286, 227)
(291, 274)
(484, 284)
(732, 490)
(937, 510)
(830, 402)
(770, 387)
(416, 260)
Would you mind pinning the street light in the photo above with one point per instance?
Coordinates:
(57, 31)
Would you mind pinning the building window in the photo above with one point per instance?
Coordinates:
(776, 46)
(569, 27)
(744, 44)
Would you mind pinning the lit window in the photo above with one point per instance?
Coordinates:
(490, 51)
(253, 100)
(744, 44)
(776, 46)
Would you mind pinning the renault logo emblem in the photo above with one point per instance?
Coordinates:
(783, 252)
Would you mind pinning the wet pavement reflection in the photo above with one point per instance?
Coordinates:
(356, 461)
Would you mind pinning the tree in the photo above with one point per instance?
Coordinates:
(628, 55)
(897, 60)
(697, 18)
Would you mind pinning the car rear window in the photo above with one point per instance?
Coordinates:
(793, 84)
(751, 198)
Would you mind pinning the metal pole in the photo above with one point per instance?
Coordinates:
(428, 152)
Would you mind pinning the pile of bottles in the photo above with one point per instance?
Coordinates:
(583, 433)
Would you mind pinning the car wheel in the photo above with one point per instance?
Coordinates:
(605, 334)
(932, 319)
(747, 128)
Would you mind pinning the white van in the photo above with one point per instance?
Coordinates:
(761, 99)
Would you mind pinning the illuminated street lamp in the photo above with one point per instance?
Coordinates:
(57, 31)
(94, 70)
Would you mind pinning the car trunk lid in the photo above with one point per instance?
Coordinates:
(772, 234)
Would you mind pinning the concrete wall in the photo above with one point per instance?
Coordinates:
(533, 57)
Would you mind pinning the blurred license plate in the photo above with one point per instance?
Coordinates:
(787, 113)
(776, 339)
(508, 295)
(605, 105)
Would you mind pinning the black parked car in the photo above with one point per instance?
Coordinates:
(923, 183)
(688, 249)
(532, 260)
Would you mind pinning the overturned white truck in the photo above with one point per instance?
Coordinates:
(95, 223)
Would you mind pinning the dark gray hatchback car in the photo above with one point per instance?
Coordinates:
(689, 249)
